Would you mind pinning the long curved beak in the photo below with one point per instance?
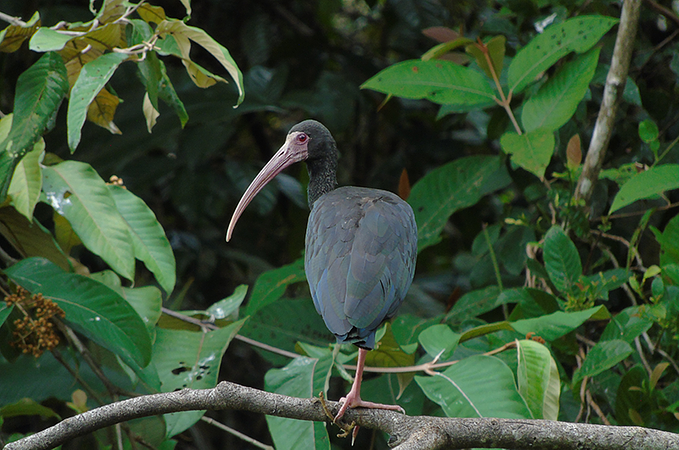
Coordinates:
(290, 153)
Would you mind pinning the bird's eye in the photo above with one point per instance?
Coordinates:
(302, 138)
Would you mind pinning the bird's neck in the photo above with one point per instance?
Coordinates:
(322, 178)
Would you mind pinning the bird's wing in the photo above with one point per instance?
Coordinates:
(360, 257)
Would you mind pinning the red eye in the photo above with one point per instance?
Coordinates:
(302, 138)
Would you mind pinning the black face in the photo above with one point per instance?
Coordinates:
(320, 140)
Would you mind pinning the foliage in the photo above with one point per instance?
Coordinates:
(527, 302)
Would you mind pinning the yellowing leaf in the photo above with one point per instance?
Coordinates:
(102, 110)
(112, 10)
(13, 36)
(182, 32)
(150, 113)
(66, 237)
(151, 14)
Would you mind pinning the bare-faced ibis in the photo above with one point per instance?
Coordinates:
(360, 250)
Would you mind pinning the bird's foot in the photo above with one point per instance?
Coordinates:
(354, 401)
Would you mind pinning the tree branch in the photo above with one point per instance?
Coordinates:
(407, 433)
(615, 84)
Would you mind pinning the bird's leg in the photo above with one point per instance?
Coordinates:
(353, 398)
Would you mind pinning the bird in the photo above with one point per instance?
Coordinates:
(360, 246)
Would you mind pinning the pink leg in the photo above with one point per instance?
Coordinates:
(353, 398)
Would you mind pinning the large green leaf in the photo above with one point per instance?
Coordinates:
(24, 189)
(474, 303)
(30, 238)
(601, 357)
(440, 81)
(77, 192)
(92, 78)
(189, 359)
(532, 151)
(538, 379)
(578, 34)
(271, 285)
(147, 301)
(284, 323)
(647, 184)
(478, 386)
(451, 187)
(48, 40)
(556, 101)
(306, 378)
(669, 242)
(39, 92)
(557, 324)
(228, 307)
(627, 325)
(439, 340)
(149, 242)
(91, 308)
(562, 260)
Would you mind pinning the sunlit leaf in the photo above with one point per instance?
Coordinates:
(92, 79)
(91, 308)
(478, 386)
(532, 151)
(538, 379)
(562, 260)
(102, 109)
(229, 306)
(578, 34)
(39, 92)
(189, 359)
(149, 242)
(647, 184)
(77, 192)
(305, 378)
(441, 82)
(559, 323)
(555, 103)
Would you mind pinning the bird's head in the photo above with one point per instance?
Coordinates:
(308, 140)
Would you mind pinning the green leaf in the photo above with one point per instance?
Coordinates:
(439, 340)
(439, 81)
(39, 92)
(562, 260)
(630, 396)
(304, 378)
(532, 151)
(578, 34)
(282, 324)
(229, 306)
(5, 311)
(451, 187)
(474, 303)
(147, 301)
(27, 407)
(91, 308)
(77, 192)
(189, 359)
(92, 78)
(601, 357)
(496, 51)
(555, 103)
(149, 242)
(271, 285)
(538, 379)
(48, 40)
(647, 184)
(648, 131)
(669, 242)
(478, 386)
(30, 238)
(557, 324)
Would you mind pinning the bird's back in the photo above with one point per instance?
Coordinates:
(361, 246)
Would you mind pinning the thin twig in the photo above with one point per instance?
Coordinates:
(595, 407)
(236, 433)
(12, 20)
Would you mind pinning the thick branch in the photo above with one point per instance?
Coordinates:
(408, 433)
(615, 84)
